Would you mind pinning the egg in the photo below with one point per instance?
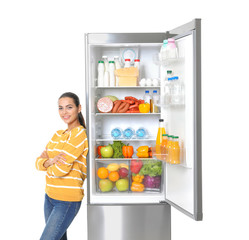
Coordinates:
(155, 82)
(148, 82)
(142, 82)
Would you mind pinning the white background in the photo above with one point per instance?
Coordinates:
(42, 56)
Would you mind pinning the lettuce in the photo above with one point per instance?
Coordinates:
(152, 168)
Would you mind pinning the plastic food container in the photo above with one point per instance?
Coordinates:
(127, 76)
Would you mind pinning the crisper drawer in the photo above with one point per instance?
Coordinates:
(132, 180)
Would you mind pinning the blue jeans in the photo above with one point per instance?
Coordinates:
(58, 217)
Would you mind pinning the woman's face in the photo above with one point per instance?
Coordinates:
(68, 110)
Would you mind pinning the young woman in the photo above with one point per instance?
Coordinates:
(64, 161)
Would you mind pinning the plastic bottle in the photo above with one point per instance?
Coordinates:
(128, 133)
(101, 72)
(116, 133)
(147, 97)
(141, 133)
(159, 138)
(127, 63)
(154, 102)
(164, 147)
(117, 66)
(167, 96)
(111, 73)
(175, 151)
(177, 91)
(162, 55)
(105, 59)
(171, 49)
(106, 79)
(169, 147)
(137, 65)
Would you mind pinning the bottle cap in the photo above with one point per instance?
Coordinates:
(169, 71)
(137, 60)
(176, 78)
(111, 62)
(154, 91)
(171, 40)
(170, 79)
(165, 41)
(101, 61)
(176, 137)
(147, 91)
(161, 120)
(128, 59)
(164, 135)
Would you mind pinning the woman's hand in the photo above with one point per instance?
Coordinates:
(59, 159)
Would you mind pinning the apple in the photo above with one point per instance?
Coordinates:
(105, 185)
(123, 172)
(106, 152)
(122, 184)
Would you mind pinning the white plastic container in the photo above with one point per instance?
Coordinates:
(117, 66)
(111, 74)
(171, 49)
(101, 72)
(106, 79)
(127, 63)
(105, 59)
(162, 54)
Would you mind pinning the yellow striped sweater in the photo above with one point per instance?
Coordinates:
(65, 182)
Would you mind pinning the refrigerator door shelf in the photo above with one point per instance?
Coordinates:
(168, 61)
(125, 114)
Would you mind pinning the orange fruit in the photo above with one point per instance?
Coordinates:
(102, 173)
(113, 176)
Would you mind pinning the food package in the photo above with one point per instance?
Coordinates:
(127, 76)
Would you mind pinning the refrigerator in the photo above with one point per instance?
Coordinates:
(145, 215)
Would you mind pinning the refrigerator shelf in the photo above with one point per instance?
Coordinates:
(126, 140)
(126, 114)
(122, 159)
(129, 87)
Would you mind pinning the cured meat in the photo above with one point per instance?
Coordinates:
(105, 105)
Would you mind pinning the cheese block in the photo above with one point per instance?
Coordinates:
(127, 76)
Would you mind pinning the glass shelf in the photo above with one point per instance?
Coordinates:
(126, 140)
(125, 114)
(130, 87)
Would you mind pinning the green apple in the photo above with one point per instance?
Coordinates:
(122, 184)
(106, 152)
(105, 185)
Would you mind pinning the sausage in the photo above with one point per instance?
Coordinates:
(116, 106)
(104, 105)
(121, 106)
(134, 105)
(124, 109)
(131, 98)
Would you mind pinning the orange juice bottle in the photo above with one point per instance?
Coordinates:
(159, 138)
(164, 146)
(169, 148)
(175, 151)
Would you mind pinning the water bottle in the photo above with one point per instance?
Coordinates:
(106, 62)
(147, 97)
(167, 96)
(141, 133)
(128, 133)
(116, 133)
(177, 91)
(154, 102)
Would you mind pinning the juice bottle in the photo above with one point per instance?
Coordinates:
(164, 147)
(169, 147)
(159, 138)
(175, 151)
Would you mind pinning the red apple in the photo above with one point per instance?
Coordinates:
(123, 172)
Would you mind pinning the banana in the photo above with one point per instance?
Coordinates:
(123, 165)
(113, 167)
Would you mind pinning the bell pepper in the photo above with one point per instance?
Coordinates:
(98, 150)
(144, 107)
(136, 165)
(143, 154)
(127, 151)
(137, 187)
(138, 178)
(143, 149)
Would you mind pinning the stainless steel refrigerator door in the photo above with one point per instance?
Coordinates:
(184, 182)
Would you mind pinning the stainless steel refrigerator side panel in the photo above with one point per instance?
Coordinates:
(87, 111)
(112, 38)
(133, 222)
(198, 136)
(185, 28)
